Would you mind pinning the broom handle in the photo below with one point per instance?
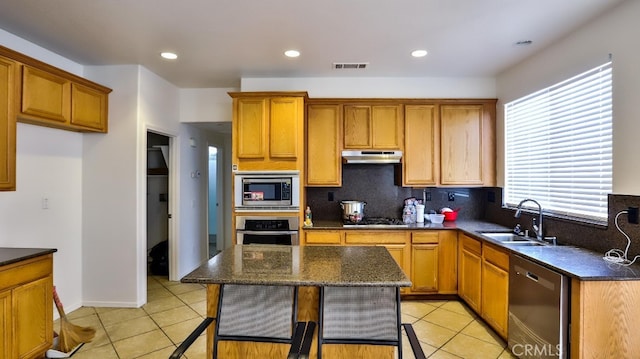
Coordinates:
(56, 299)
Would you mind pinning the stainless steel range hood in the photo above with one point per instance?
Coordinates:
(371, 157)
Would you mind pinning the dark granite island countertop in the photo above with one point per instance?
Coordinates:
(14, 255)
(354, 266)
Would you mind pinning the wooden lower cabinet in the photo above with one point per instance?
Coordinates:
(604, 319)
(428, 257)
(424, 267)
(470, 271)
(495, 288)
(323, 237)
(26, 308)
(5, 324)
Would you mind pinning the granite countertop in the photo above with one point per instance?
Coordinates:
(576, 262)
(13, 255)
(353, 266)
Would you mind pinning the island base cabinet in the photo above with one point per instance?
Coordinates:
(604, 319)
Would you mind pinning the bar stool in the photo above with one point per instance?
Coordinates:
(256, 313)
(363, 315)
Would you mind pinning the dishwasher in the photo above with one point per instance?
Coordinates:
(538, 310)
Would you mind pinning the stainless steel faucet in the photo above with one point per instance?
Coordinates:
(536, 227)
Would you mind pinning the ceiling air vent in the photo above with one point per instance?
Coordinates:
(350, 65)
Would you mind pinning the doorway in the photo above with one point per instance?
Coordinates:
(157, 204)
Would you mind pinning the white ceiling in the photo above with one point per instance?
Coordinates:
(221, 41)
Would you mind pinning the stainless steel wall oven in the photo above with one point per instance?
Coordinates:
(267, 230)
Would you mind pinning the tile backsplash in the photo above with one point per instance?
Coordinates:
(376, 185)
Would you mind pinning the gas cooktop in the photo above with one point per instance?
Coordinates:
(376, 222)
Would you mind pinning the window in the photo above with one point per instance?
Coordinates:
(558, 146)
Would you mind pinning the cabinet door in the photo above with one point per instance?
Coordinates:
(322, 237)
(89, 108)
(284, 116)
(250, 128)
(424, 264)
(461, 141)
(400, 253)
(386, 127)
(469, 282)
(419, 146)
(324, 167)
(8, 92)
(495, 297)
(448, 262)
(5, 324)
(45, 96)
(33, 313)
(357, 127)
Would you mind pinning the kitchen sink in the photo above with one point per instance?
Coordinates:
(506, 236)
(512, 239)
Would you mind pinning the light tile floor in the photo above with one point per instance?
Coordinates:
(445, 328)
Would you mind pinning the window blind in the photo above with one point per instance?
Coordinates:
(558, 146)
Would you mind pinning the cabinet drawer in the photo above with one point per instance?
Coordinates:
(425, 237)
(471, 245)
(322, 237)
(375, 237)
(25, 271)
(496, 256)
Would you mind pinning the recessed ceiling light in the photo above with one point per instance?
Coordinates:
(419, 53)
(169, 55)
(292, 53)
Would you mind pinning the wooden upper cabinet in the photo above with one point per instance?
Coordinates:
(45, 96)
(268, 130)
(373, 127)
(250, 128)
(467, 144)
(357, 127)
(324, 165)
(55, 100)
(419, 145)
(9, 80)
(284, 124)
(89, 108)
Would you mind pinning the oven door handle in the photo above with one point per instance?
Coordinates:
(268, 233)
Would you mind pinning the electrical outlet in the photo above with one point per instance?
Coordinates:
(491, 196)
(427, 196)
(451, 196)
(632, 214)
(330, 196)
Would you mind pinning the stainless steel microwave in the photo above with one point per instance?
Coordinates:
(273, 190)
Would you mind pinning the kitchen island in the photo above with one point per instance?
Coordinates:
(307, 267)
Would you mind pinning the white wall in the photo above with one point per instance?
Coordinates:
(49, 164)
(345, 87)
(614, 33)
(110, 196)
(205, 105)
